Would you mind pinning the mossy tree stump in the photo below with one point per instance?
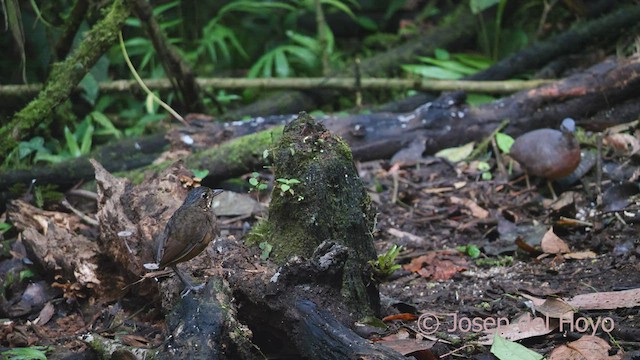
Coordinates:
(330, 203)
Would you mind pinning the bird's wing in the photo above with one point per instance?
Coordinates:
(179, 240)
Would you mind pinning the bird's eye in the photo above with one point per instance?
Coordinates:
(205, 195)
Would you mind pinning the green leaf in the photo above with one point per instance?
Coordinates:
(340, 6)
(507, 350)
(473, 251)
(456, 154)
(504, 142)
(451, 65)
(478, 6)
(200, 174)
(476, 61)
(282, 65)
(49, 158)
(293, 181)
(106, 124)
(253, 181)
(266, 250)
(72, 143)
(441, 54)
(28, 353)
(25, 274)
(91, 89)
(432, 72)
(284, 187)
(306, 41)
(479, 99)
(85, 146)
(4, 227)
(366, 23)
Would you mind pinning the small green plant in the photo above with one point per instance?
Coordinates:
(286, 186)
(46, 194)
(200, 174)
(470, 249)
(266, 250)
(256, 183)
(485, 168)
(385, 265)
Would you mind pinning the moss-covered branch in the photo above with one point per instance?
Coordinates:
(64, 77)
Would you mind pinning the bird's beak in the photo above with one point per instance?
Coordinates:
(217, 192)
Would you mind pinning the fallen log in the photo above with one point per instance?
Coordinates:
(445, 122)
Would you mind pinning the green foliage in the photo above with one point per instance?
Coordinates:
(266, 250)
(485, 168)
(46, 194)
(385, 264)
(495, 41)
(77, 142)
(470, 249)
(4, 227)
(286, 186)
(445, 66)
(28, 353)
(256, 183)
(200, 174)
(304, 52)
(504, 350)
(26, 274)
(504, 142)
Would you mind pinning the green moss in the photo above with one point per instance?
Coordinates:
(333, 205)
(64, 77)
(260, 232)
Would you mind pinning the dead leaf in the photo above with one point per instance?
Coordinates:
(552, 244)
(622, 144)
(403, 316)
(408, 346)
(556, 308)
(45, 314)
(456, 154)
(522, 327)
(438, 265)
(606, 300)
(476, 210)
(585, 348)
(580, 255)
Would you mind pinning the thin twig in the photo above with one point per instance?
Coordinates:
(85, 218)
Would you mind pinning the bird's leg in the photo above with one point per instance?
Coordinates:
(553, 193)
(188, 284)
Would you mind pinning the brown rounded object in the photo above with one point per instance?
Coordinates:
(548, 153)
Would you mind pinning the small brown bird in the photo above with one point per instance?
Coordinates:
(187, 233)
(548, 153)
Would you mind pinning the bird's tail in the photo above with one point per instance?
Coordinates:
(151, 266)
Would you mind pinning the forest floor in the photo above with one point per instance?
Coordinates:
(431, 210)
(440, 207)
